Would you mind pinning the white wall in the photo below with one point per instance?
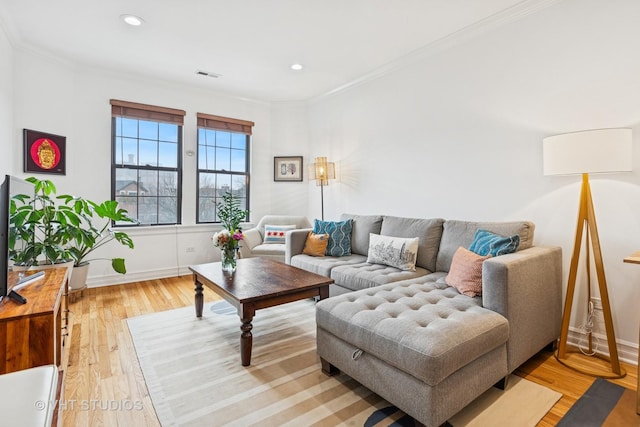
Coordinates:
(459, 135)
(73, 100)
(6, 105)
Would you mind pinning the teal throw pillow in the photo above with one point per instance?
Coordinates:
(339, 236)
(488, 243)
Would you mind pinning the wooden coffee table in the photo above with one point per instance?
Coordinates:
(257, 283)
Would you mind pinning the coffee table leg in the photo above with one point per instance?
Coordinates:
(246, 338)
(199, 297)
(324, 292)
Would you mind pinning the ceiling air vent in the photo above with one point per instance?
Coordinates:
(208, 74)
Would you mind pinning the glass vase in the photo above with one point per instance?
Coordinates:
(229, 259)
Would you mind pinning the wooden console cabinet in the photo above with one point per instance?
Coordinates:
(31, 334)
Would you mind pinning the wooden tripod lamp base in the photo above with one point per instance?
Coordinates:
(575, 359)
(585, 152)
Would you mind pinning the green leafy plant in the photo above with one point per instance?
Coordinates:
(95, 230)
(41, 224)
(46, 228)
(228, 240)
(230, 213)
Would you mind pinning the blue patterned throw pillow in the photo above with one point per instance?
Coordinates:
(339, 236)
(488, 243)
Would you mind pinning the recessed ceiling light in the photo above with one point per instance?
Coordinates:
(133, 20)
(297, 67)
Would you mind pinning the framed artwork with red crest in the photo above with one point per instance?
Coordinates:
(44, 152)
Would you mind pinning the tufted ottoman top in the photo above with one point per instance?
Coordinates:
(424, 328)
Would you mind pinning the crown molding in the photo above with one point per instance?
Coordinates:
(463, 35)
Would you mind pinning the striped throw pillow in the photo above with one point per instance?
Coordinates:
(276, 233)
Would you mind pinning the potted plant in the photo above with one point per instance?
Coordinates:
(47, 229)
(94, 232)
(228, 239)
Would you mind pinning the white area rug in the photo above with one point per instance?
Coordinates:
(193, 372)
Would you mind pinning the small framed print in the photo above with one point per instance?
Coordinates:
(287, 168)
(44, 152)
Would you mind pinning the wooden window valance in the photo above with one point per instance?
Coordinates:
(147, 112)
(224, 123)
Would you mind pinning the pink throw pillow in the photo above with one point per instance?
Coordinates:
(465, 273)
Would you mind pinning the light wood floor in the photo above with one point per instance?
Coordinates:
(104, 384)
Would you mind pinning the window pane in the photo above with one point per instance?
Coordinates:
(211, 158)
(167, 210)
(239, 141)
(223, 159)
(239, 187)
(118, 151)
(126, 181)
(129, 151)
(168, 132)
(148, 130)
(168, 183)
(207, 137)
(148, 153)
(223, 139)
(202, 157)
(238, 160)
(206, 209)
(128, 203)
(148, 210)
(129, 128)
(168, 155)
(148, 183)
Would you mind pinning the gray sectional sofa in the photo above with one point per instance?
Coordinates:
(415, 340)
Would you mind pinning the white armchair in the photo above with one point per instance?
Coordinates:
(254, 244)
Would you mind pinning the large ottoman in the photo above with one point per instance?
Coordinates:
(422, 346)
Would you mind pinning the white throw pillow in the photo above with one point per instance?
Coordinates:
(395, 252)
(276, 233)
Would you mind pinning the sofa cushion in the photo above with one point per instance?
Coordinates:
(398, 252)
(428, 232)
(270, 249)
(339, 236)
(488, 243)
(276, 233)
(423, 327)
(465, 273)
(316, 244)
(324, 265)
(460, 233)
(366, 275)
(362, 226)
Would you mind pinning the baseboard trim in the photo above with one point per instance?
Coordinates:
(627, 351)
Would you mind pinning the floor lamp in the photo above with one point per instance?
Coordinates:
(586, 152)
(322, 171)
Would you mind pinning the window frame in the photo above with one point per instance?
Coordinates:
(224, 124)
(151, 113)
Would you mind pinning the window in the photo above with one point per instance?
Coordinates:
(146, 171)
(223, 163)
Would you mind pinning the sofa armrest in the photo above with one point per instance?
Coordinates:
(526, 288)
(294, 244)
(252, 238)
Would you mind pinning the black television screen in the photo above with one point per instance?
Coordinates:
(11, 187)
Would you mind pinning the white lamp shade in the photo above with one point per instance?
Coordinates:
(591, 151)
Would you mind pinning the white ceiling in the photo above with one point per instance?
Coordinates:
(251, 43)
